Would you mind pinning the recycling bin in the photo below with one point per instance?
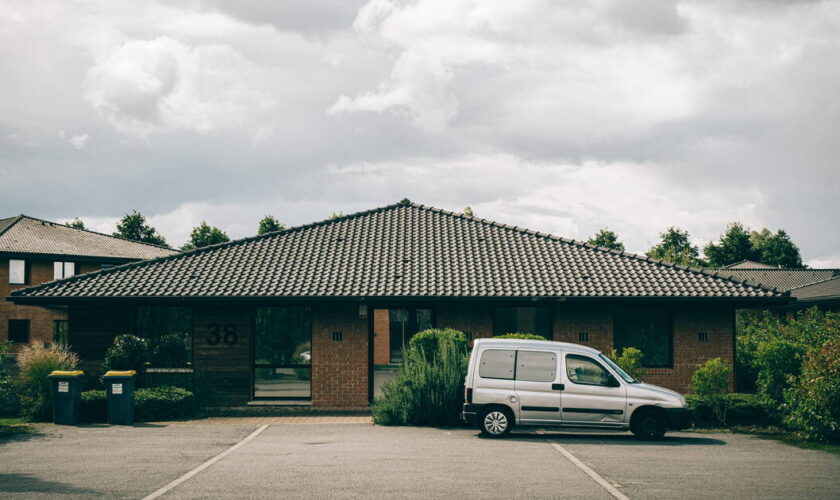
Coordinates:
(119, 391)
(66, 389)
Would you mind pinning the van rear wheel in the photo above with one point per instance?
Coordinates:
(648, 424)
(496, 422)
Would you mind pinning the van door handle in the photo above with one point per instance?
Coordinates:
(558, 387)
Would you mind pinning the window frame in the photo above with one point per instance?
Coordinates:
(63, 264)
(584, 357)
(28, 330)
(25, 280)
(618, 331)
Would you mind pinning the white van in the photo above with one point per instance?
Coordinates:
(541, 383)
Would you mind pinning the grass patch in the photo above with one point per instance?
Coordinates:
(777, 434)
(13, 427)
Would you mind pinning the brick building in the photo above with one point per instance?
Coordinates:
(34, 251)
(319, 313)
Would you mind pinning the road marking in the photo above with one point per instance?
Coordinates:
(206, 464)
(589, 472)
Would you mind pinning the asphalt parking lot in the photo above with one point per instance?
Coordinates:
(361, 460)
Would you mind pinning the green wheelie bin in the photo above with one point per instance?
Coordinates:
(66, 389)
(119, 390)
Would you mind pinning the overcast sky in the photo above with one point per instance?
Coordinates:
(562, 117)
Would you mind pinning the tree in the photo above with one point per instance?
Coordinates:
(269, 224)
(607, 239)
(734, 246)
(337, 215)
(76, 223)
(133, 227)
(675, 247)
(776, 249)
(468, 211)
(204, 235)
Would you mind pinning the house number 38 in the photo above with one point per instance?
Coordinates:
(226, 334)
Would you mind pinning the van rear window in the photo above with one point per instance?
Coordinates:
(497, 363)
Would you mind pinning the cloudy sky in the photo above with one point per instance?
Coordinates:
(564, 117)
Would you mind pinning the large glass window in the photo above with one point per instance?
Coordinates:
(63, 270)
(283, 352)
(536, 320)
(403, 324)
(647, 329)
(61, 332)
(17, 272)
(536, 366)
(169, 330)
(586, 371)
(19, 330)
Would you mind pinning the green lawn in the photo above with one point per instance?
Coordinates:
(13, 427)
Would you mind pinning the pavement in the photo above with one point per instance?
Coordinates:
(350, 458)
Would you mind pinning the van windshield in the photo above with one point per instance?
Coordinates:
(627, 378)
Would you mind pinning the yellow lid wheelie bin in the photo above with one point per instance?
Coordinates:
(119, 391)
(66, 387)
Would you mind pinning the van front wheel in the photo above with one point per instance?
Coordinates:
(496, 422)
(648, 424)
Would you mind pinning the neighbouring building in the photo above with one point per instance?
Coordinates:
(34, 251)
(319, 313)
(809, 286)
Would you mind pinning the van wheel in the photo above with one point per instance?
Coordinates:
(496, 422)
(648, 424)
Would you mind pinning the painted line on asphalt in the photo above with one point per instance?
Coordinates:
(589, 472)
(205, 465)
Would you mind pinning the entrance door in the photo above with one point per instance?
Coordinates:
(392, 331)
(283, 353)
(591, 395)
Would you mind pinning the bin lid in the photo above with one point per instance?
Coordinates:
(59, 373)
(118, 373)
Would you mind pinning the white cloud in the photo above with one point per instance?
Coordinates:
(79, 142)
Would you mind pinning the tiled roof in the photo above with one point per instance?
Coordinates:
(783, 279)
(28, 235)
(748, 264)
(402, 250)
(821, 290)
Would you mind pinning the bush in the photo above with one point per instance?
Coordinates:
(427, 390)
(35, 363)
(523, 336)
(814, 397)
(710, 382)
(157, 403)
(128, 352)
(742, 409)
(430, 341)
(171, 351)
(9, 404)
(630, 361)
(776, 361)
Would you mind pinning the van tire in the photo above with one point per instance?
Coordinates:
(496, 422)
(648, 424)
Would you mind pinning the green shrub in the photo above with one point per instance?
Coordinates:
(429, 341)
(171, 351)
(150, 404)
(814, 397)
(9, 404)
(522, 336)
(35, 363)
(742, 409)
(710, 382)
(630, 361)
(426, 391)
(776, 361)
(128, 352)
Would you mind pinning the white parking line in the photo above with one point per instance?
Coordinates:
(591, 473)
(206, 464)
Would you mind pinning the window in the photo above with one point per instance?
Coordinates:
(536, 366)
(647, 329)
(536, 320)
(497, 363)
(19, 330)
(283, 352)
(61, 332)
(703, 336)
(63, 270)
(586, 371)
(155, 322)
(403, 324)
(17, 272)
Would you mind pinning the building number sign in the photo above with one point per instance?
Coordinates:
(222, 334)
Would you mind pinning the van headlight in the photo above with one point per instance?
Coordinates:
(683, 402)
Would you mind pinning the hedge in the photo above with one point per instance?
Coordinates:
(156, 403)
(741, 409)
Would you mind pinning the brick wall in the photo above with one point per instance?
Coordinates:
(339, 368)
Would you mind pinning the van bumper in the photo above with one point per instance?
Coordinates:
(678, 418)
(469, 414)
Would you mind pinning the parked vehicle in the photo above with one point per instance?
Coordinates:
(555, 384)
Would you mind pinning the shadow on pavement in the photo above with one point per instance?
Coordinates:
(612, 439)
(25, 483)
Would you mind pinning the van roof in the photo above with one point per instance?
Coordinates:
(535, 343)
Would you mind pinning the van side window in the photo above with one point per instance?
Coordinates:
(584, 370)
(497, 363)
(536, 366)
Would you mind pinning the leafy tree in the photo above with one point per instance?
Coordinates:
(76, 223)
(204, 235)
(336, 215)
(775, 249)
(468, 211)
(269, 224)
(734, 246)
(675, 246)
(608, 239)
(133, 227)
